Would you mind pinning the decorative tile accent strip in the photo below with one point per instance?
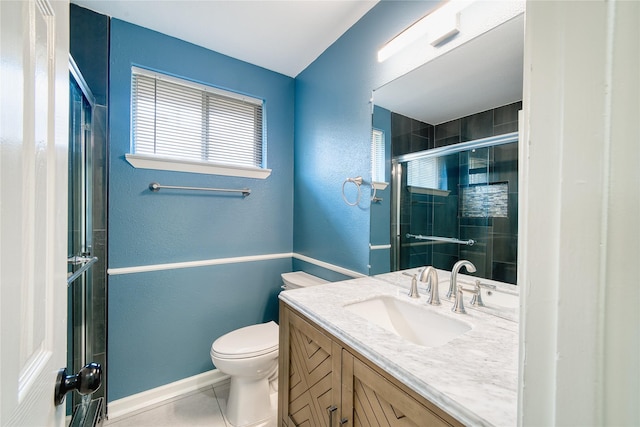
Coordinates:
(484, 201)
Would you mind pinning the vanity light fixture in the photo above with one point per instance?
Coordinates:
(436, 27)
(404, 39)
(444, 28)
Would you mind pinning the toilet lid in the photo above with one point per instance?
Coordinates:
(250, 341)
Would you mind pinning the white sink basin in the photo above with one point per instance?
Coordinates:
(420, 325)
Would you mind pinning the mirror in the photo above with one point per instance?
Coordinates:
(451, 128)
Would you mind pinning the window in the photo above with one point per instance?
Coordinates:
(427, 176)
(181, 125)
(426, 173)
(377, 155)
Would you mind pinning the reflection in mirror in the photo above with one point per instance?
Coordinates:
(451, 199)
(460, 202)
(377, 156)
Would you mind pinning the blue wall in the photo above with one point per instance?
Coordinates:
(161, 324)
(333, 135)
(380, 259)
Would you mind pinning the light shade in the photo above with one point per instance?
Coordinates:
(434, 28)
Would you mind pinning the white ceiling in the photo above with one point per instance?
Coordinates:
(283, 36)
(287, 35)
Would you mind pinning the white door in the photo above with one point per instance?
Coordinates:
(34, 46)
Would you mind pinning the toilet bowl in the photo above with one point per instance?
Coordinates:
(249, 356)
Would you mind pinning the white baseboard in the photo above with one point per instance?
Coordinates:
(130, 404)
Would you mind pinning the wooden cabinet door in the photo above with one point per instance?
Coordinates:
(309, 374)
(370, 400)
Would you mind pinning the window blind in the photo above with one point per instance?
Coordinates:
(423, 173)
(377, 155)
(184, 120)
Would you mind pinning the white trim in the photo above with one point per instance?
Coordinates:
(379, 247)
(149, 161)
(231, 260)
(191, 264)
(379, 185)
(431, 191)
(328, 266)
(128, 405)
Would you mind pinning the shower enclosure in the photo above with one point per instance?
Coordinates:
(86, 291)
(458, 202)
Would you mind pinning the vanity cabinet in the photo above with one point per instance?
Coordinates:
(308, 373)
(323, 382)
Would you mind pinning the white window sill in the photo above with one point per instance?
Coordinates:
(379, 185)
(146, 161)
(431, 191)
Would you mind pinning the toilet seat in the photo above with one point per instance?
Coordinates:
(250, 341)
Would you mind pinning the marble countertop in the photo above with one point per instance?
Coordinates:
(473, 377)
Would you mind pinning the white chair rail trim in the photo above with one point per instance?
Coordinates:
(231, 260)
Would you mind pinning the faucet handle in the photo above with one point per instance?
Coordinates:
(413, 292)
(476, 299)
(458, 304)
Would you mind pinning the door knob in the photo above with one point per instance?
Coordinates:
(86, 381)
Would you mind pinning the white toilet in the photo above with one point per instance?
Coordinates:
(250, 356)
(300, 279)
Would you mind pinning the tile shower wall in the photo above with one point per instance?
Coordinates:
(493, 122)
(495, 253)
(410, 135)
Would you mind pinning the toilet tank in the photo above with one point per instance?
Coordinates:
(300, 279)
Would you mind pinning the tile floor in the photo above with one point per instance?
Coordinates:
(200, 408)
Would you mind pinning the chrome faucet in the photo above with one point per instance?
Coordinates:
(458, 304)
(453, 286)
(430, 275)
(476, 300)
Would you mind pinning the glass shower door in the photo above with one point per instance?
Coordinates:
(457, 202)
(80, 245)
(428, 228)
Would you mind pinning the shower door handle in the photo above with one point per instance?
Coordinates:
(86, 381)
(76, 260)
(80, 259)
